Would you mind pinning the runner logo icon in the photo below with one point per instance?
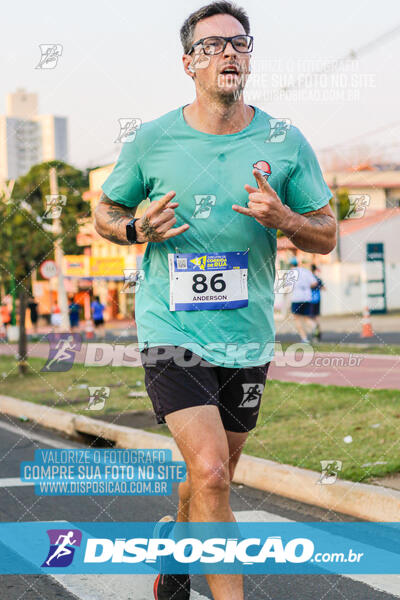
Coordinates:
(199, 261)
(62, 547)
(252, 393)
(98, 397)
(63, 347)
(204, 204)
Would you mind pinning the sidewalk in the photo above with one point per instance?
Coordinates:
(345, 329)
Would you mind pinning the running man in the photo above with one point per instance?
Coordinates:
(204, 309)
(62, 549)
(301, 300)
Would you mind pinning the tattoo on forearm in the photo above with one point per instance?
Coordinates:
(113, 220)
(149, 231)
(115, 239)
(321, 220)
(309, 240)
(117, 214)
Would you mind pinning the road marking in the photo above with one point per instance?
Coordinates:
(38, 437)
(384, 583)
(31, 435)
(98, 587)
(13, 482)
(308, 374)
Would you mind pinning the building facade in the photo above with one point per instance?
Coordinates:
(27, 138)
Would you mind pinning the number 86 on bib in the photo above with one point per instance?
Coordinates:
(208, 281)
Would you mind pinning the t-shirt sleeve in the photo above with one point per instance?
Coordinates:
(306, 189)
(125, 184)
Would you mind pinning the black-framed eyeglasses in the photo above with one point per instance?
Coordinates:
(217, 43)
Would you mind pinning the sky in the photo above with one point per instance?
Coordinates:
(122, 59)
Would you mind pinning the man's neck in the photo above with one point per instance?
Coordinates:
(217, 118)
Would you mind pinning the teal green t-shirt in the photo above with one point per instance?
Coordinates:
(208, 173)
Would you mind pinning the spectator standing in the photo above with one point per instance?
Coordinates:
(301, 300)
(74, 310)
(5, 313)
(98, 315)
(33, 310)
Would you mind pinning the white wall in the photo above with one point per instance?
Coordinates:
(343, 283)
(345, 292)
(353, 246)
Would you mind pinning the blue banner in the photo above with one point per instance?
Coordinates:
(251, 548)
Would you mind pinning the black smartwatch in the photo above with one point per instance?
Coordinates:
(131, 234)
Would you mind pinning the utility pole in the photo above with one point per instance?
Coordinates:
(58, 257)
(337, 213)
(7, 190)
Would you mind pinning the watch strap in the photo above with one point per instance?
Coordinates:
(131, 234)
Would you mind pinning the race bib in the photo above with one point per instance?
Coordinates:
(208, 281)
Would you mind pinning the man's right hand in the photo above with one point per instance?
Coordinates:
(157, 223)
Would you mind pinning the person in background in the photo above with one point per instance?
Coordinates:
(5, 313)
(98, 315)
(301, 300)
(74, 309)
(316, 302)
(33, 309)
(55, 318)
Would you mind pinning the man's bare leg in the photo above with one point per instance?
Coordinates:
(299, 321)
(207, 493)
(236, 441)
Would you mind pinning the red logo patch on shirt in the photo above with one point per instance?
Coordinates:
(263, 167)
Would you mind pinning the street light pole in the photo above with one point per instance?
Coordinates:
(58, 257)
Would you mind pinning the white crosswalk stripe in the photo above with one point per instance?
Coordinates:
(98, 587)
(13, 482)
(385, 583)
(140, 587)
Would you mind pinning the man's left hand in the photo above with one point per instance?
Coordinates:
(264, 204)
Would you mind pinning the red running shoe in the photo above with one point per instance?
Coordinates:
(166, 586)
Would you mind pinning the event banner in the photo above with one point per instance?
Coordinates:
(251, 548)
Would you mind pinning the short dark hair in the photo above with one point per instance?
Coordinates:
(215, 8)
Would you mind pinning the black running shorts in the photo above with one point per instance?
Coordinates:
(182, 379)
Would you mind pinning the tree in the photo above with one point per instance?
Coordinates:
(27, 238)
(343, 202)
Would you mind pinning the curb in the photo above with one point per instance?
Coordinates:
(360, 500)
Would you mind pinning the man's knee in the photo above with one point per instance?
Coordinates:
(211, 474)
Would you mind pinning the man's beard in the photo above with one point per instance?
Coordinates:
(226, 96)
(229, 97)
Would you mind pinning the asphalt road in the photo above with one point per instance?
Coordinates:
(18, 441)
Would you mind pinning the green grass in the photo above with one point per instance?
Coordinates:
(351, 349)
(62, 390)
(298, 424)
